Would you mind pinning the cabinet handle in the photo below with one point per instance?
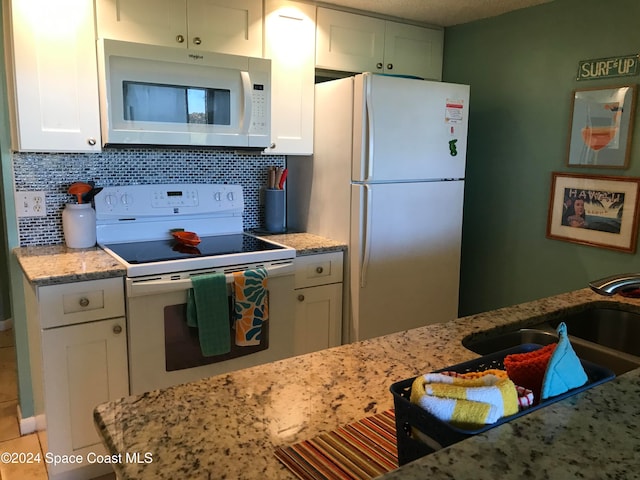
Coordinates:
(389, 66)
(197, 40)
(117, 329)
(180, 38)
(379, 65)
(91, 141)
(84, 302)
(273, 145)
(301, 298)
(319, 269)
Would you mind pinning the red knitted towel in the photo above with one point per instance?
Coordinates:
(528, 369)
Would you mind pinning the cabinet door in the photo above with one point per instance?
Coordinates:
(84, 365)
(318, 322)
(226, 26)
(349, 42)
(157, 22)
(55, 92)
(290, 44)
(412, 50)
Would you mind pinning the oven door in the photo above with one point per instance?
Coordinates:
(163, 351)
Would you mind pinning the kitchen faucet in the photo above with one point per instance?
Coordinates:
(615, 283)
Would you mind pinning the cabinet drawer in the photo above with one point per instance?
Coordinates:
(320, 269)
(78, 302)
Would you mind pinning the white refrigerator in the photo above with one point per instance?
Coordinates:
(387, 178)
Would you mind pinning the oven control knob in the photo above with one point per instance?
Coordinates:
(126, 199)
(110, 200)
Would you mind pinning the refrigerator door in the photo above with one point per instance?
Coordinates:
(405, 256)
(407, 129)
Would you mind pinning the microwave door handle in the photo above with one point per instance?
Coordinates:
(248, 101)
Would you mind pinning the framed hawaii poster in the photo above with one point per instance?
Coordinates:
(601, 211)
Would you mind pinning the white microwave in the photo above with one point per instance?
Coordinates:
(152, 95)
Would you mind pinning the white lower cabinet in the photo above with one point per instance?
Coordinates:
(76, 366)
(318, 314)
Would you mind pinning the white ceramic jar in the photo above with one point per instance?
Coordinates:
(79, 225)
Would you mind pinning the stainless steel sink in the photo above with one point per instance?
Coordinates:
(617, 329)
(604, 336)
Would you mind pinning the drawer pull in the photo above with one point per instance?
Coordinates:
(117, 329)
(319, 269)
(301, 298)
(180, 38)
(84, 302)
(197, 40)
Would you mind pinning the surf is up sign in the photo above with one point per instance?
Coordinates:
(624, 66)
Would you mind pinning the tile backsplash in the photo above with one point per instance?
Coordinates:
(54, 172)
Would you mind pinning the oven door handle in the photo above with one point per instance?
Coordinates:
(139, 288)
(160, 286)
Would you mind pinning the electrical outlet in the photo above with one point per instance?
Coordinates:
(31, 204)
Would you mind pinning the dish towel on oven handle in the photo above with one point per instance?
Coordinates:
(251, 309)
(208, 311)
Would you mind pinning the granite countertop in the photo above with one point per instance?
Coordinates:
(54, 264)
(307, 243)
(228, 426)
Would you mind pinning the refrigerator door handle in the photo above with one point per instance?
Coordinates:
(366, 236)
(369, 129)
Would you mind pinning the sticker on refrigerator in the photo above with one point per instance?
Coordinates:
(454, 112)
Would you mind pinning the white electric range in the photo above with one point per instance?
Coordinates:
(134, 225)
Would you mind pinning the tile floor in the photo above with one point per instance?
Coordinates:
(10, 439)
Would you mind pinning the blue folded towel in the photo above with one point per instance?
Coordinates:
(208, 311)
(564, 370)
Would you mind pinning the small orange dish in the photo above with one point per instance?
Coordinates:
(187, 238)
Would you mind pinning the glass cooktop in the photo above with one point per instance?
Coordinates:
(170, 249)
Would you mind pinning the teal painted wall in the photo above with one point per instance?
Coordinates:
(522, 67)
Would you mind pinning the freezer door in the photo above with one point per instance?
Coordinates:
(406, 129)
(405, 256)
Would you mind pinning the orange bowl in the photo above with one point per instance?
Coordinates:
(187, 238)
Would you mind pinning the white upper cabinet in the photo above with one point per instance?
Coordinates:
(52, 76)
(357, 43)
(290, 44)
(225, 26)
(412, 50)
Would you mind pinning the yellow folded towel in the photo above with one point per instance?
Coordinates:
(466, 402)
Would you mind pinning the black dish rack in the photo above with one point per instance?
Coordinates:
(413, 421)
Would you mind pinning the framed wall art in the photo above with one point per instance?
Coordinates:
(601, 127)
(601, 211)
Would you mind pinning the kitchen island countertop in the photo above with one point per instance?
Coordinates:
(228, 426)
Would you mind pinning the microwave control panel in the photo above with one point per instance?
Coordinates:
(259, 118)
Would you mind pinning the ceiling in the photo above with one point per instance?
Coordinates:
(444, 13)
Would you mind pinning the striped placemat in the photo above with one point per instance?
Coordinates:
(359, 451)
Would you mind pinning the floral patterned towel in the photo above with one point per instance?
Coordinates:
(251, 306)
